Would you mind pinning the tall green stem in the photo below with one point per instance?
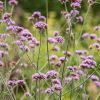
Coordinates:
(69, 26)
(46, 3)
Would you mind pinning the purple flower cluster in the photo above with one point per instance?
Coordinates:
(88, 63)
(7, 19)
(92, 36)
(15, 82)
(57, 61)
(41, 25)
(72, 68)
(56, 39)
(4, 45)
(28, 94)
(4, 36)
(94, 78)
(26, 42)
(12, 2)
(37, 16)
(52, 74)
(81, 52)
(38, 76)
(68, 54)
(97, 83)
(74, 12)
(55, 48)
(56, 86)
(38, 20)
(90, 2)
(96, 28)
(3, 53)
(75, 74)
(24, 35)
(85, 35)
(76, 5)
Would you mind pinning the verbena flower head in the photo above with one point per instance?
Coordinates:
(56, 81)
(56, 33)
(20, 82)
(58, 64)
(4, 36)
(52, 40)
(72, 68)
(28, 94)
(41, 25)
(68, 54)
(57, 87)
(96, 45)
(67, 80)
(3, 54)
(36, 14)
(97, 83)
(4, 45)
(49, 90)
(53, 57)
(82, 57)
(55, 48)
(11, 83)
(25, 48)
(88, 63)
(52, 74)
(42, 18)
(74, 13)
(12, 2)
(62, 59)
(93, 36)
(81, 52)
(85, 35)
(94, 78)
(75, 77)
(79, 19)
(38, 76)
(6, 16)
(67, 15)
(90, 2)
(96, 28)
(76, 5)
(59, 39)
(80, 73)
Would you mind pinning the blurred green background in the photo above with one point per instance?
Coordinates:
(27, 7)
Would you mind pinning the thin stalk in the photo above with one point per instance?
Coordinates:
(46, 3)
(63, 69)
(5, 4)
(38, 59)
(39, 52)
(12, 9)
(36, 90)
(39, 91)
(84, 22)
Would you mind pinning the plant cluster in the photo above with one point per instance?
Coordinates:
(63, 72)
